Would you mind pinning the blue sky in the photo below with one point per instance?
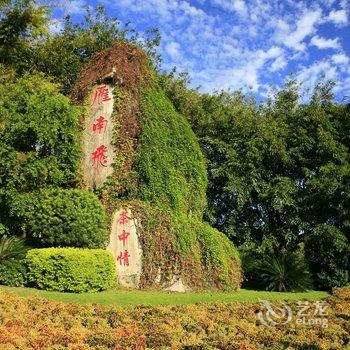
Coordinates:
(248, 44)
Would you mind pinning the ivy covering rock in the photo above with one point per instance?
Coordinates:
(159, 173)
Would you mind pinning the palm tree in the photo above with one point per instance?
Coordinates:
(12, 248)
(285, 271)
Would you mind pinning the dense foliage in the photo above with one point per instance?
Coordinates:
(34, 323)
(58, 217)
(170, 163)
(277, 172)
(39, 140)
(12, 266)
(26, 44)
(71, 269)
(175, 245)
(328, 252)
(284, 271)
(13, 273)
(171, 171)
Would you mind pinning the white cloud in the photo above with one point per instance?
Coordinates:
(240, 43)
(309, 76)
(305, 26)
(73, 7)
(338, 17)
(238, 6)
(246, 74)
(163, 10)
(340, 59)
(173, 49)
(344, 88)
(278, 64)
(323, 43)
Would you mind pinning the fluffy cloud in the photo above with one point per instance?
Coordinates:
(323, 43)
(243, 44)
(338, 17)
(73, 7)
(163, 10)
(246, 74)
(340, 59)
(238, 6)
(305, 26)
(310, 75)
(173, 49)
(278, 64)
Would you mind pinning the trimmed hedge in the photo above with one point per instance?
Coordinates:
(58, 217)
(71, 269)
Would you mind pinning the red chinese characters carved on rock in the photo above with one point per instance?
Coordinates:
(123, 218)
(123, 258)
(100, 124)
(99, 156)
(124, 236)
(101, 94)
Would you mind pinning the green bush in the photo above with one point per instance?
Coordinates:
(71, 269)
(57, 217)
(327, 251)
(13, 273)
(3, 230)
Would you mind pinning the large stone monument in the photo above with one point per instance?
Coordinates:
(99, 156)
(144, 162)
(125, 246)
(98, 149)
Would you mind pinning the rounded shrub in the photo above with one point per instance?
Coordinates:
(58, 217)
(39, 134)
(71, 269)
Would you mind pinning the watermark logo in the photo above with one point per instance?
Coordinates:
(272, 316)
(308, 314)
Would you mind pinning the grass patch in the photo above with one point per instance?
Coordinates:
(134, 297)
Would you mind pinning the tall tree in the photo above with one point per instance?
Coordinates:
(278, 172)
(22, 22)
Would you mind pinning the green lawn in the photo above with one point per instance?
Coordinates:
(132, 297)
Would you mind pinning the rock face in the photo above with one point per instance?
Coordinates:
(99, 156)
(144, 162)
(97, 137)
(125, 246)
(177, 285)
